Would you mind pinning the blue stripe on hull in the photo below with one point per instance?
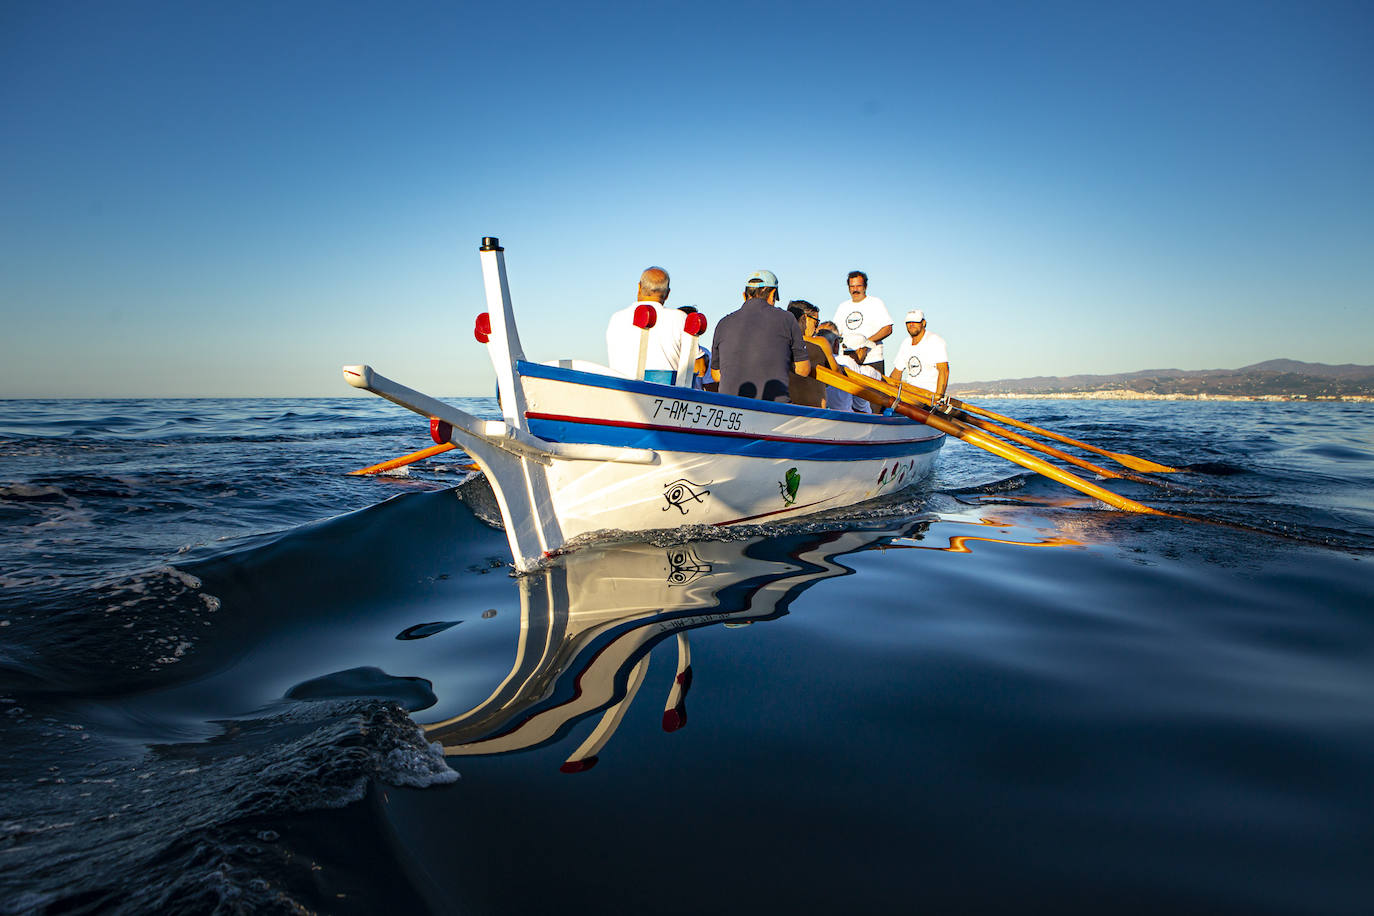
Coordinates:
(629, 437)
(593, 380)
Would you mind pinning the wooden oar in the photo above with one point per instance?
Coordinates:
(409, 459)
(961, 430)
(1121, 458)
(1013, 436)
(871, 392)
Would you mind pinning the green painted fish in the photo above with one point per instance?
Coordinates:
(789, 488)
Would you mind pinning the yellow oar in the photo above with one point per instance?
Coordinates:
(1013, 436)
(871, 392)
(1130, 461)
(408, 459)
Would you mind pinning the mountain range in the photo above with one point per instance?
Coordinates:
(1273, 378)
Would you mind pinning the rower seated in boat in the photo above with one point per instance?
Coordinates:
(854, 349)
(667, 336)
(758, 346)
(804, 390)
(923, 361)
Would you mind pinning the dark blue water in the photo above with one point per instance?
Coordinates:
(234, 679)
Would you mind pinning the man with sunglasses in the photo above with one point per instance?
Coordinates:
(922, 361)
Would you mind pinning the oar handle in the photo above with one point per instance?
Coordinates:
(645, 317)
(694, 325)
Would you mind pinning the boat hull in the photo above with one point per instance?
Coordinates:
(717, 460)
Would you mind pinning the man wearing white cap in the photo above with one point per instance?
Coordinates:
(922, 361)
(854, 349)
(866, 315)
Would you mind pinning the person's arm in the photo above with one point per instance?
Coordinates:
(801, 359)
(941, 383)
(883, 333)
(715, 355)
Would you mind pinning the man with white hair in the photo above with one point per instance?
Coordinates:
(666, 338)
(922, 361)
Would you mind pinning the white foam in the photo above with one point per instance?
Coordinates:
(185, 579)
(30, 491)
(417, 767)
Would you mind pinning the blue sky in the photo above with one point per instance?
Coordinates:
(236, 199)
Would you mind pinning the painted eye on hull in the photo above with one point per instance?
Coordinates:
(685, 566)
(682, 491)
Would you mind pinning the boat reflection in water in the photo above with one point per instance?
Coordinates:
(589, 624)
(959, 543)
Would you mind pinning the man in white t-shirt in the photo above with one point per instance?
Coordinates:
(666, 338)
(866, 315)
(922, 361)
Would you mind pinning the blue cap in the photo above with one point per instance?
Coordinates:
(762, 278)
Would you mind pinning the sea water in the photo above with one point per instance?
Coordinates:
(234, 679)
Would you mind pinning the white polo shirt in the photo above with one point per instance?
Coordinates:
(666, 339)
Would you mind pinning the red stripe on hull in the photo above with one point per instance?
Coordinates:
(629, 424)
(750, 518)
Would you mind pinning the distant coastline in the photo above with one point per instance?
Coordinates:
(1273, 380)
(1121, 394)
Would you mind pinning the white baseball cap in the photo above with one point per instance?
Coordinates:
(916, 315)
(856, 341)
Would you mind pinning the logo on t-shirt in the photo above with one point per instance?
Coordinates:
(913, 367)
(853, 320)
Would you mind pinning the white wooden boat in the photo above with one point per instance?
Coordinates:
(582, 451)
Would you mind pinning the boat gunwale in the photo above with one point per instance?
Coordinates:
(525, 368)
(724, 442)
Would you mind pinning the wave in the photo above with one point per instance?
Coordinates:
(230, 824)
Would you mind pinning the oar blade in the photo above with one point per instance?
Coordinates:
(1144, 465)
(403, 460)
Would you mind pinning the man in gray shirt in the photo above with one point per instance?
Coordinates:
(756, 346)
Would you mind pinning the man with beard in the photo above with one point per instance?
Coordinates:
(866, 315)
(922, 361)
